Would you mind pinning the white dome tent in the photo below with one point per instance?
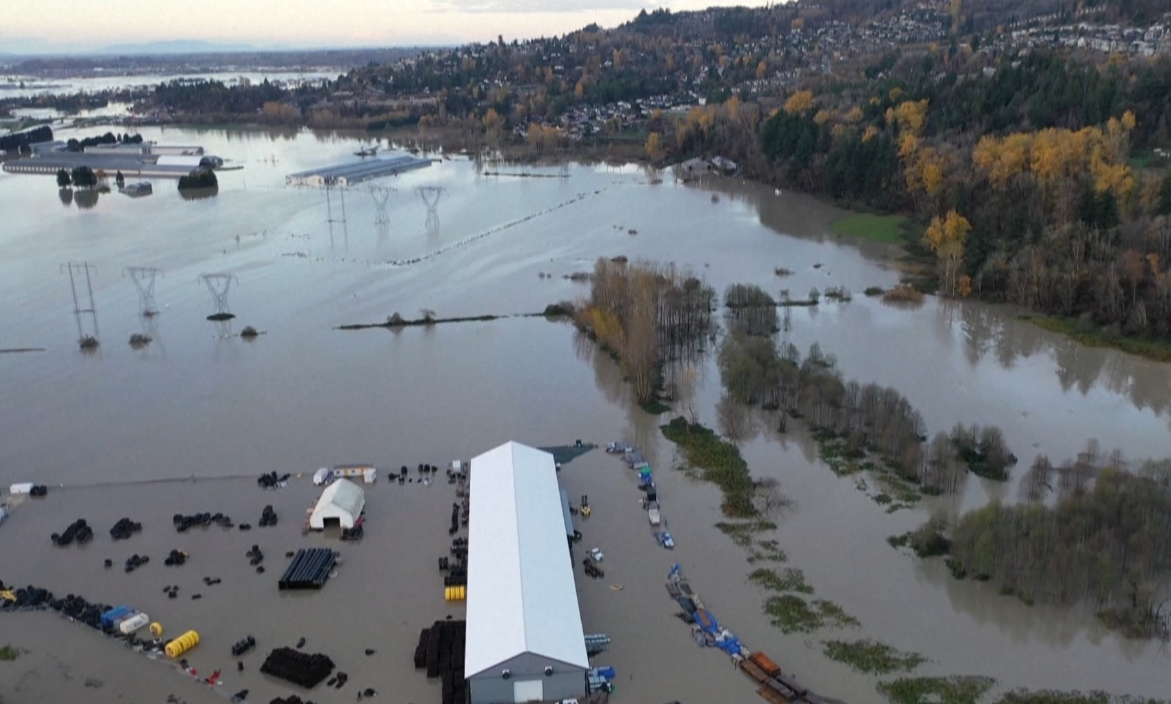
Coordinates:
(342, 502)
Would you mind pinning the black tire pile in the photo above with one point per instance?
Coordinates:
(77, 531)
(124, 528)
(454, 520)
(441, 651)
(354, 533)
(176, 558)
(135, 561)
(457, 572)
(255, 557)
(268, 517)
(202, 520)
(38, 491)
(243, 645)
(302, 669)
(291, 699)
(271, 480)
(309, 569)
(32, 598)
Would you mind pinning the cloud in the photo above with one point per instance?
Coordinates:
(537, 6)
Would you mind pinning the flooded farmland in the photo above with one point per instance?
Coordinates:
(202, 404)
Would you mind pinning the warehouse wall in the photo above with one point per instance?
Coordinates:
(491, 688)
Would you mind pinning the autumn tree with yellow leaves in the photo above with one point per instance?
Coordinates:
(946, 237)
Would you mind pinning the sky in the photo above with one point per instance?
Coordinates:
(66, 25)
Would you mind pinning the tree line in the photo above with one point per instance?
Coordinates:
(642, 313)
(868, 420)
(19, 141)
(80, 145)
(1105, 542)
(1026, 180)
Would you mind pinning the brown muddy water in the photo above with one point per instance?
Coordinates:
(200, 403)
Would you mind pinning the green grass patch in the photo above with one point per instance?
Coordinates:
(792, 614)
(880, 228)
(1150, 348)
(8, 653)
(1053, 696)
(872, 657)
(719, 462)
(741, 532)
(769, 551)
(926, 541)
(835, 615)
(899, 489)
(788, 580)
(936, 690)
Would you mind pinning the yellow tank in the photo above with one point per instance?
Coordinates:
(156, 629)
(182, 644)
(455, 593)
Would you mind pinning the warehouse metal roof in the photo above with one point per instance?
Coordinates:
(521, 592)
(362, 170)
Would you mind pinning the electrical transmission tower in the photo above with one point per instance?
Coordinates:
(381, 194)
(144, 282)
(330, 184)
(76, 271)
(219, 285)
(431, 196)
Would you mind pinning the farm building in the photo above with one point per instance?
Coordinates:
(340, 504)
(694, 168)
(524, 632)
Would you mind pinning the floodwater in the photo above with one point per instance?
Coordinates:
(11, 85)
(201, 403)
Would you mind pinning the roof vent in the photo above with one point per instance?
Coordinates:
(548, 671)
(506, 674)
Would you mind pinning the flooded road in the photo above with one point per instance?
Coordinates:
(201, 403)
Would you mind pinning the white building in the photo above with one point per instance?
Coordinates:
(524, 632)
(340, 504)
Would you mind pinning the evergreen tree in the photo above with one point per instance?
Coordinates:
(1164, 207)
(63, 179)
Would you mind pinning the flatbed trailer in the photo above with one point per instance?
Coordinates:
(765, 663)
(771, 696)
(753, 671)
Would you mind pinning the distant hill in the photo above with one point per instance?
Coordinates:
(980, 15)
(178, 46)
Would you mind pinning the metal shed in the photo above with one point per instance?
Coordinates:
(524, 632)
(341, 501)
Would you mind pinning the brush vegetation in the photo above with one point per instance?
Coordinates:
(718, 461)
(872, 657)
(936, 690)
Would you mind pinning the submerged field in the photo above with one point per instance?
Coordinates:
(199, 402)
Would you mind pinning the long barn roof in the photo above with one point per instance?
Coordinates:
(521, 593)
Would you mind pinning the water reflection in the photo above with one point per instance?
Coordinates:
(642, 428)
(986, 329)
(86, 198)
(199, 193)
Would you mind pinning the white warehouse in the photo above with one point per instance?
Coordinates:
(524, 632)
